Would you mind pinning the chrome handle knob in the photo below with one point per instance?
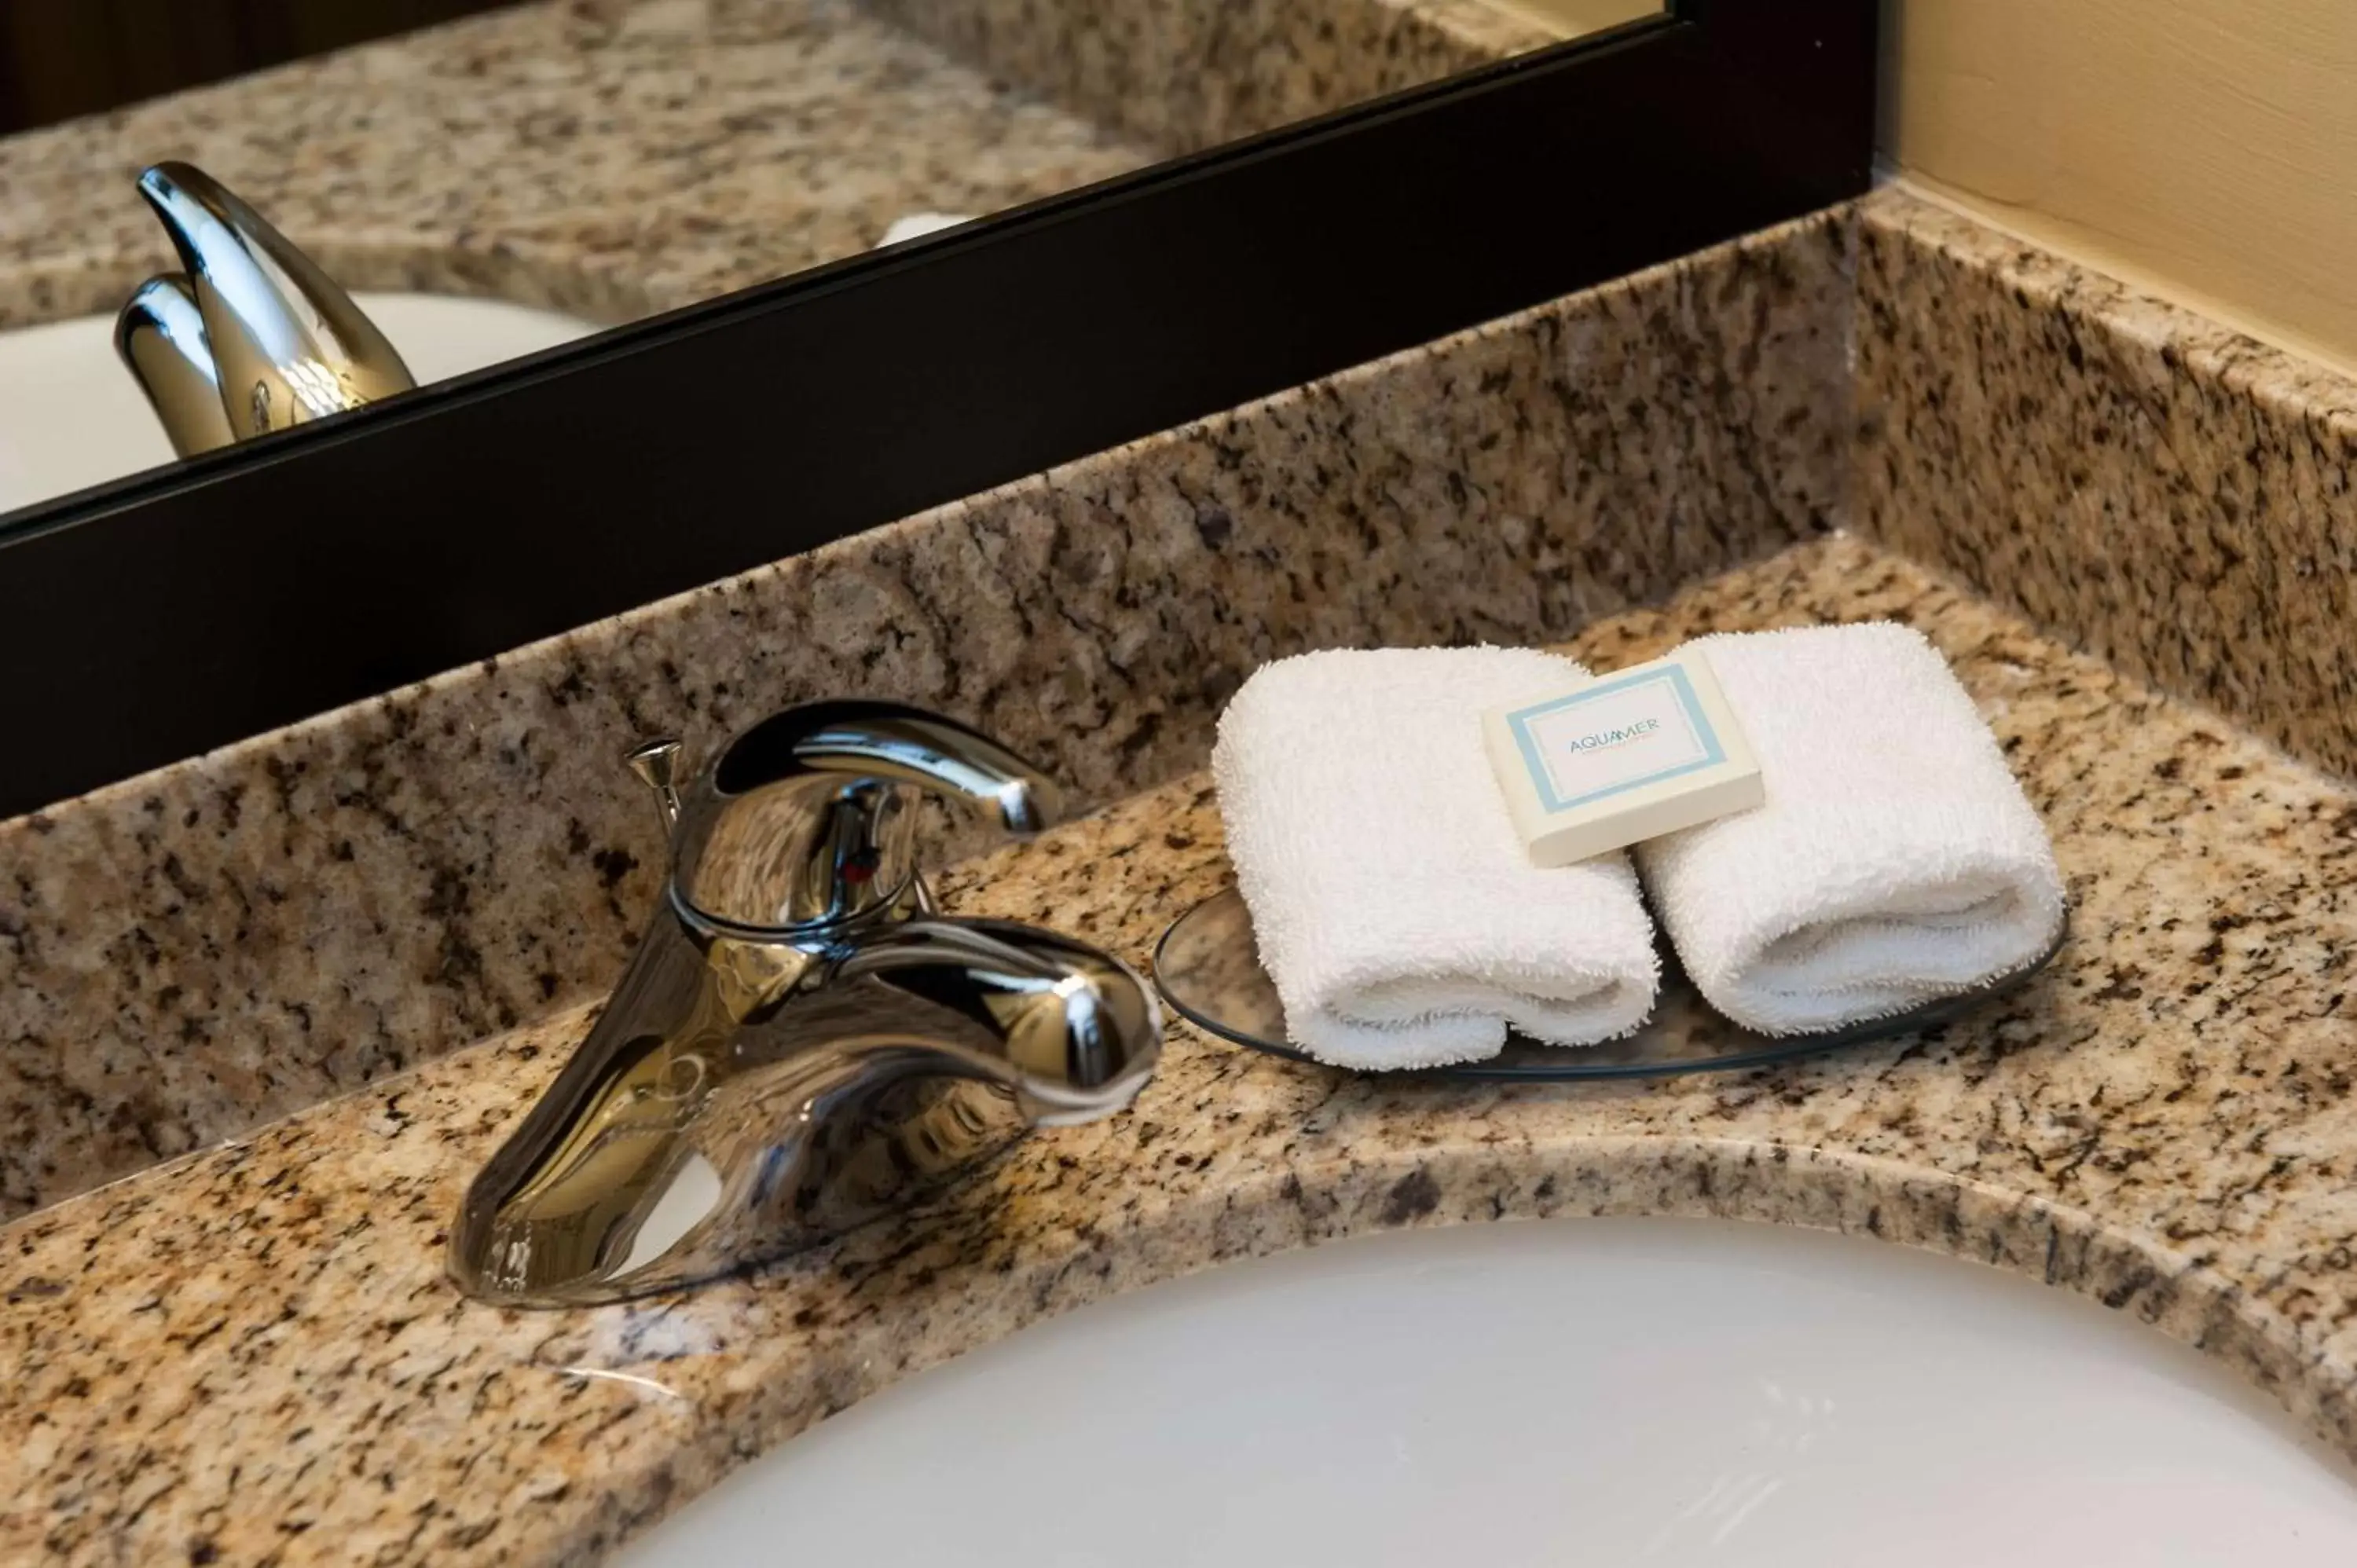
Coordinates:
(656, 763)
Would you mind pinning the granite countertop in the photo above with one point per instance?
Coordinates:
(252, 1353)
(608, 158)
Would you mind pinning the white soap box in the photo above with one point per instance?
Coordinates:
(1617, 758)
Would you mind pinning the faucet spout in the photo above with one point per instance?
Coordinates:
(1068, 1031)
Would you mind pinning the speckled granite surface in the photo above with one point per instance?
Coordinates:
(251, 1354)
(1187, 74)
(196, 952)
(2165, 491)
(606, 157)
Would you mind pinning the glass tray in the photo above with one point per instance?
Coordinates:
(1208, 968)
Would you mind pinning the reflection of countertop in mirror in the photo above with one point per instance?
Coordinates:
(1187, 76)
(607, 159)
(1184, 76)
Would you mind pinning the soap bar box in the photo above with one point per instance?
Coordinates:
(1619, 758)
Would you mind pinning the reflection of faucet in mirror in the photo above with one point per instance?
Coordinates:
(250, 336)
(800, 1043)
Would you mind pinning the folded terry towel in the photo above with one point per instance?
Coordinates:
(1896, 860)
(1395, 909)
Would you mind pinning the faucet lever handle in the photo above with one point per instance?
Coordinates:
(892, 743)
(802, 820)
(903, 745)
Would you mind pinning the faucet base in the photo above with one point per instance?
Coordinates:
(706, 1126)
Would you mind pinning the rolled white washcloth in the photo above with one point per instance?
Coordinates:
(1896, 860)
(1394, 907)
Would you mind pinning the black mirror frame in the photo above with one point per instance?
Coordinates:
(185, 608)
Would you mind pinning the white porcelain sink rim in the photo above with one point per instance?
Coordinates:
(686, 1533)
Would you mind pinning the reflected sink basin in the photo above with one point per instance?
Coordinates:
(71, 418)
(1579, 1391)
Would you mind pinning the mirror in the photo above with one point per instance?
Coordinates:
(513, 180)
(701, 186)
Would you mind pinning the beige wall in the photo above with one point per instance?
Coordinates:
(2205, 149)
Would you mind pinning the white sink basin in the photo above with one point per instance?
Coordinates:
(70, 415)
(1592, 1392)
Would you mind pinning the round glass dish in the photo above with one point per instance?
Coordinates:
(1207, 968)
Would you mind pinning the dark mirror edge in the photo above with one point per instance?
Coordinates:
(182, 610)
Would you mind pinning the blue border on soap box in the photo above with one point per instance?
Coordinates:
(1519, 722)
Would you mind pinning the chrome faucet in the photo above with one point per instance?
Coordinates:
(800, 1043)
(250, 336)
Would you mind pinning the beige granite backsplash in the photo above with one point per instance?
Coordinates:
(2153, 485)
(192, 954)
